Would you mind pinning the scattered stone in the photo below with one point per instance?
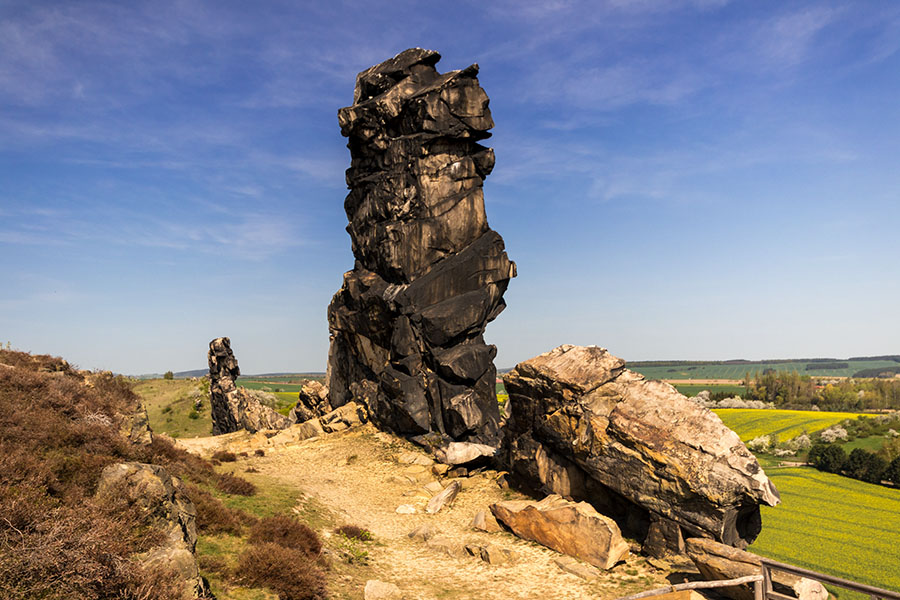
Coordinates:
(343, 417)
(440, 469)
(414, 458)
(165, 499)
(380, 590)
(444, 498)
(234, 408)
(659, 564)
(406, 509)
(407, 325)
(312, 402)
(461, 453)
(423, 533)
(571, 528)
(446, 546)
(577, 568)
(458, 472)
(584, 427)
(434, 487)
(717, 561)
(495, 555)
(484, 521)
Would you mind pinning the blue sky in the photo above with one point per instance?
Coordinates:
(696, 180)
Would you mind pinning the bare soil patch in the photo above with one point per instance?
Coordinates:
(355, 478)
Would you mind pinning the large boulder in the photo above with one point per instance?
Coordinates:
(572, 528)
(585, 427)
(234, 408)
(717, 561)
(165, 501)
(407, 325)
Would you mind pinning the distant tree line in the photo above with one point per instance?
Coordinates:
(775, 361)
(795, 391)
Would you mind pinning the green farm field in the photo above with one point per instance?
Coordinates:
(692, 389)
(739, 370)
(750, 423)
(833, 525)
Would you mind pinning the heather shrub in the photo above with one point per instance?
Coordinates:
(224, 456)
(212, 514)
(232, 484)
(287, 571)
(286, 531)
(354, 532)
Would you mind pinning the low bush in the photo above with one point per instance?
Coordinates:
(354, 532)
(224, 456)
(212, 514)
(287, 571)
(231, 484)
(286, 531)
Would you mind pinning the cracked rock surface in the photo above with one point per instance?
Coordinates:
(429, 274)
(584, 426)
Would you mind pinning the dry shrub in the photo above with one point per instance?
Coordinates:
(286, 531)
(231, 484)
(58, 429)
(212, 515)
(287, 571)
(354, 532)
(224, 456)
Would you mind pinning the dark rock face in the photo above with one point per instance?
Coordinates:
(585, 427)
(312, 402)
(407, 325)
(233, 408)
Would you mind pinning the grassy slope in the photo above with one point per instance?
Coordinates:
(169, 404)
(834, 525)
(751, 423)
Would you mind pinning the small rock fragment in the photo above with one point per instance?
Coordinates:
(434, 487)
(422, 533)
(380, 590)
(440, 469)
(445, 497)
(406, 509)
(580, 569)
(414, 458)
(446, 546)
(458, 472)
(484, 521)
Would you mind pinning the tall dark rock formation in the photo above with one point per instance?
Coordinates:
(234, 408)
(407, 325)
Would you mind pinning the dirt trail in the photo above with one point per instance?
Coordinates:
(356, 475)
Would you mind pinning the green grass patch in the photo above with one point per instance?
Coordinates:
(271, 497)
(286, 401)
(833, 525)
(170, 404)
(751, 423)
(691, 389)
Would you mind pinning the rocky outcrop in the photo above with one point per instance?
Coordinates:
(718, 562)
(165, 501)
(585, 427)
(312, 402)
(407, 325)
(572, 528)
(234, 408)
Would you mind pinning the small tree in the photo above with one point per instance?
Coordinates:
(169, 375)
(892, 473)
(831, 459)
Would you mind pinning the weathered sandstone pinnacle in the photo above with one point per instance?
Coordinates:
(232, 407)
(407, 325)
(583, 426)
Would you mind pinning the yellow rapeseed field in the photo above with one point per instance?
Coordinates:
(751, 423)
(834, 525)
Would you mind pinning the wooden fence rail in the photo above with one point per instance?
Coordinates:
(762, 584)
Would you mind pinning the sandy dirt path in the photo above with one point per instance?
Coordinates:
(355, 474)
